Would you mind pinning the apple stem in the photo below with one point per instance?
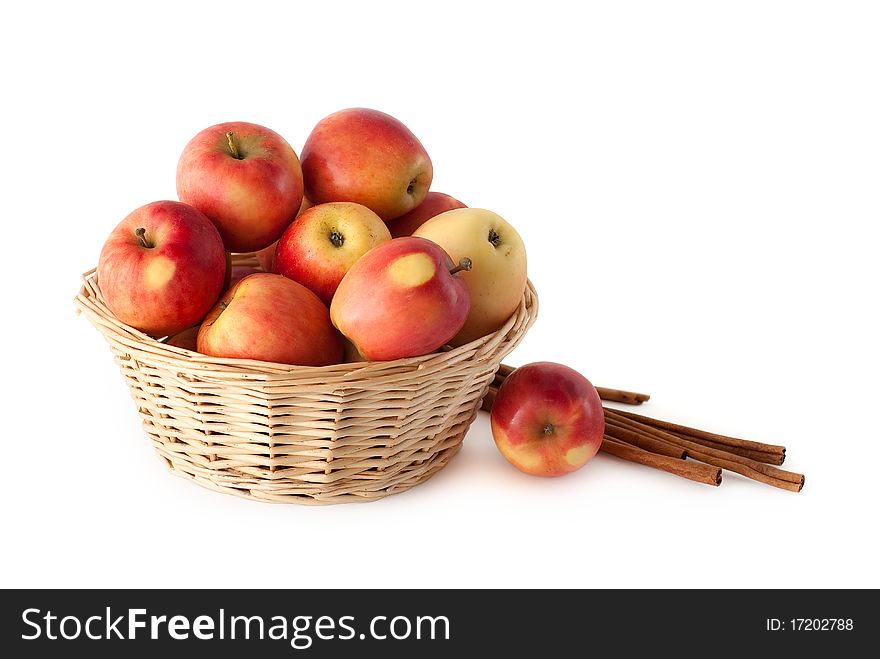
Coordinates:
(464, 264)
(139, 232)
(230, 140)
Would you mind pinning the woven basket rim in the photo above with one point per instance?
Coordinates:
(89, 301)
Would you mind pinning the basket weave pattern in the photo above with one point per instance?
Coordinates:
(331, 434)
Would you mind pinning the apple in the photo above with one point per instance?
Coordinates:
(266, 256)
(547, 419)
(368, 157)
(434, 204)
(403, 298)
(498, 278)
(271, 318)
(246, 178)
(325, 241)
(185, 339)
(162, 268)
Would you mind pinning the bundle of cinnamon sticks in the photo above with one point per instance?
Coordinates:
(694, 454)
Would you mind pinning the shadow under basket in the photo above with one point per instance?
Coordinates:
(304, 434)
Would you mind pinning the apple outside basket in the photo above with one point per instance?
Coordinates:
(304, 434)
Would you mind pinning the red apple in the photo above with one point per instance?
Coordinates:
(403, 298)
(271, 318)
(547, 419)
(266, 256)
(162, 268)
(246, 178)
(434, 204)
(324, 242)
(367, 157)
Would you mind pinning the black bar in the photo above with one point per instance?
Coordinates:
(436, 622)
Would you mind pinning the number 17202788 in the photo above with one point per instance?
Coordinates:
(810, 625)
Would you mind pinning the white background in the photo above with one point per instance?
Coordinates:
(697, 186)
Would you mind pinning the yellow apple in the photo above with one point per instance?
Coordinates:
(497, 278)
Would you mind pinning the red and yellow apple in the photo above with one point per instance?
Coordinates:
(324, 242)
(271, 318)
(162, 268)
(367, 157)
(547, 419)
(266, 256)
(498, 278)
(434, 204)
(246, 178)
(403, 298)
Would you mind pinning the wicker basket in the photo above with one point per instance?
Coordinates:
(297, 434)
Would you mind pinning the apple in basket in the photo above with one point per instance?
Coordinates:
(266, 256)
(324, 242)
(272, 318)
(403, 298)
(368, 157)
(246, 178)
(547, 419)
(434, 204)
(498, 278)
(162, 268)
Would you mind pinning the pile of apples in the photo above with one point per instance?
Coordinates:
(359, 260)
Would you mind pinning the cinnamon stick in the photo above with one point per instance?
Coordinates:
(690, 445)
(776, 456)
(702, 434)
(760, 456)
(611, 395)
(695, 471)
(646, 442)
(621, 396)
(750, 468)
(793, 484)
